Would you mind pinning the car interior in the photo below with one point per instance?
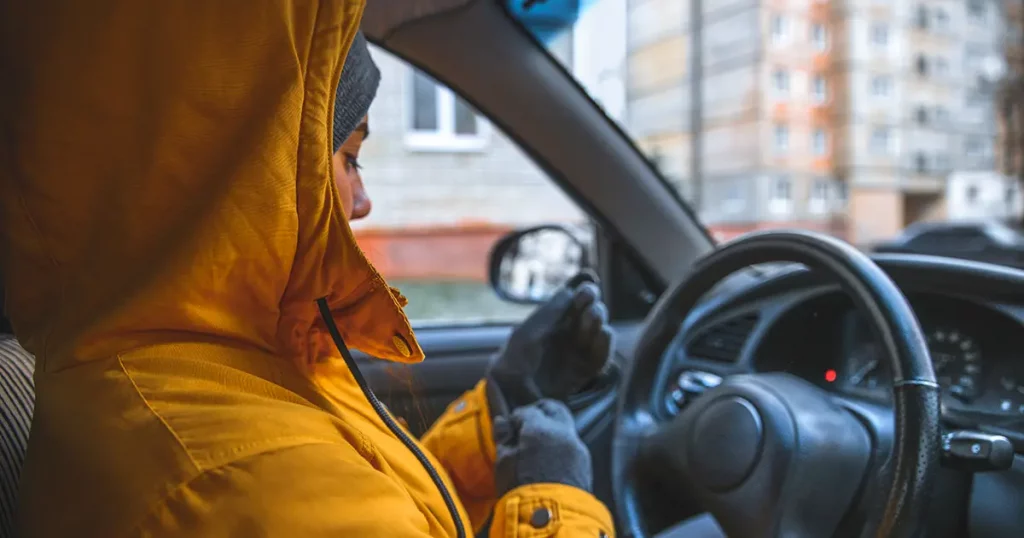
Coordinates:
(784, 383)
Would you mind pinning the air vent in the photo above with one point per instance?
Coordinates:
(724, 341)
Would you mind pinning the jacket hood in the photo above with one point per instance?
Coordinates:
(166, 176)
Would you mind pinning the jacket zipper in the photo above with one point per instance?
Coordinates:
(339, 342)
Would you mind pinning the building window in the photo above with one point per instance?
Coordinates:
(976, 11)
(941, 19)
(817, 200)
(941, 162)
(842, 194)
(941, 114)
(974, 147)
(922, 65)
(975, 99)
(920, 163)
(819, 141)
(880, 34)
(819, 89)
(922, 115)
(780, 199)
(881, 141)
(819, 37)
(441, 121)
(780, 81)
(734, 201)
(972, 194)
(921, 19)
(780, 29)
(881, 86)
(781, 138)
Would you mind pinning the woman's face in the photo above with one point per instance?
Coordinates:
(354, 199)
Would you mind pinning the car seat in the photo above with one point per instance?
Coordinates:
(17, 399)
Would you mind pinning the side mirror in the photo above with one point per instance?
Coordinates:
(528, 266)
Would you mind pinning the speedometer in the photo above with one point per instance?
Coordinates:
(957, 361)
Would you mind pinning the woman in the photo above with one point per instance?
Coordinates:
(181, 264)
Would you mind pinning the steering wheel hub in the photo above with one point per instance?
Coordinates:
(725, 443)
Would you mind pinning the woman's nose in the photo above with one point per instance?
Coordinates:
(361, 203)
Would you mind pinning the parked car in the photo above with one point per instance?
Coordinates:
(984, 241)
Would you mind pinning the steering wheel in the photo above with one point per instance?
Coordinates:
(771, 454)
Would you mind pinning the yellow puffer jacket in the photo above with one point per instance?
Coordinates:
(169, 221)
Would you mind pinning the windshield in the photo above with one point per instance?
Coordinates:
(854, 123)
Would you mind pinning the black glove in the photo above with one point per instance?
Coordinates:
(555, 352)
(538, 444)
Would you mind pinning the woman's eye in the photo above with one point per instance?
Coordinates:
(352, 163)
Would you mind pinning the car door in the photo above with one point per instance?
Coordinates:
(445, 187)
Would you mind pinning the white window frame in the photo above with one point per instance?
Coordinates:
(819, 142)
(779, 28)
(781, 75)
(444, 139)
(880, 29)
(974, 146)
(976, 17)
(879, 90)
(780, 137)
(819, 37)
(818, 197)
(734, 201)
(842, 194)
(941, 18)
(885, 148)
(780, 195)
(819, 89)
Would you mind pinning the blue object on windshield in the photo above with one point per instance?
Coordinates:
(545, 19)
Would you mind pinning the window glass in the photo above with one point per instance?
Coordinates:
(781, 138)
(424, 105)
(817, 201)
(780, 199)
(976, 11)
(819, 141)
(781, 81)
(880, 34)
(445, 185)
(880, 140)
(780, 28)
(899, 89)
(819, 89)
(819, 36)
(881, 86)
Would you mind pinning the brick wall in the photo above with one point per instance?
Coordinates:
(431, 253)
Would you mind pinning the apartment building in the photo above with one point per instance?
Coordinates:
(845, 117)
(1010, 112)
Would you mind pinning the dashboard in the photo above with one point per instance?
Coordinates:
(795, 321)
(977, 349)
(972, 316)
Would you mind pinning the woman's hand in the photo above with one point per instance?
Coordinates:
(538, 444)
(555, 352)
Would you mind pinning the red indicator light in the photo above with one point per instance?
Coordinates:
(830, 376)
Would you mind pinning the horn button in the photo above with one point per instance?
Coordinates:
(761, 445)
(725, 443)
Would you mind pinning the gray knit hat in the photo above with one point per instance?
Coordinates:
(356, 90)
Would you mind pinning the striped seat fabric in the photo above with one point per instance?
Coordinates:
(16, 402)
